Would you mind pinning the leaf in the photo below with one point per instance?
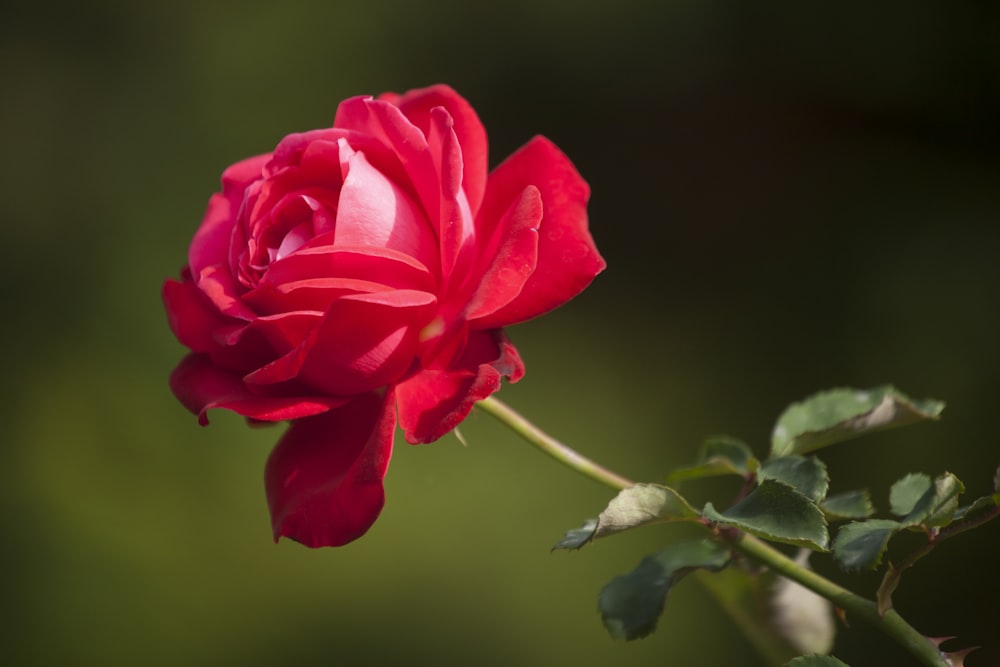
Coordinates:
(807, 475)
(576, 538)
(816, 661)
(841, 414)
(977, 505)
(643, 504)
(777, 512)
(920, 501)
(848, 505)
(907, 492)
(947, 489)
(631, 604)
(860, 544)
(720, 455)
(635, 506)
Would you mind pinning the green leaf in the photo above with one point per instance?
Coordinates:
(777, 512)
(576, 538)
(631, 604)
(643, 504)
(977, 506)
(907, 492)
(920, 501)
(720, 455)
(816, 661)
(944, 502)
(860, 544)
(841, 414)
(807, 475)
(635, 506)
(848, 505)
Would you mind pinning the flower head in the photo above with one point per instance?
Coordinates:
(360, 276)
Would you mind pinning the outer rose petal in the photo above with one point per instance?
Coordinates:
(567, 257)
(513, 256)
(191, 316)
(324, 478)
(200, 386)
(433, 402)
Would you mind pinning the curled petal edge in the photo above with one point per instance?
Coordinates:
(434, 401)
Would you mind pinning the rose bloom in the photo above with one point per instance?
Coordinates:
(360, 276)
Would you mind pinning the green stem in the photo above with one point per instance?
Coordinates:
(892, 624)
(551, 446)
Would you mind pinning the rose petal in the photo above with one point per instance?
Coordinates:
(364, 341)
(210, 245)
(281, 333)
(367, 341)
(200, 386)
(513, 255)
(191, 316)
(416, 105)
(455, 225)
(218, 284)
(315, 294)
(317, 154)
(375, 212)
(433, 402)
(380, 265)
(324, 478)
(567, 257)
(387, 124)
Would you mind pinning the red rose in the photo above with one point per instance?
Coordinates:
(361, 274)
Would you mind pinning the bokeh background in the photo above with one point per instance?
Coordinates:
(790, 196)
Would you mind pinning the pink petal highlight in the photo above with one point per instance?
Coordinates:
(386, 124)
(374, 212)
(324, 478)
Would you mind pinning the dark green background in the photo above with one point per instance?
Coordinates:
(790, 196)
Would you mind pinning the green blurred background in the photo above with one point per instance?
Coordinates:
(790, 196)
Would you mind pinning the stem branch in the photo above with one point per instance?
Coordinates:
(892, 624)
(551, 446)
